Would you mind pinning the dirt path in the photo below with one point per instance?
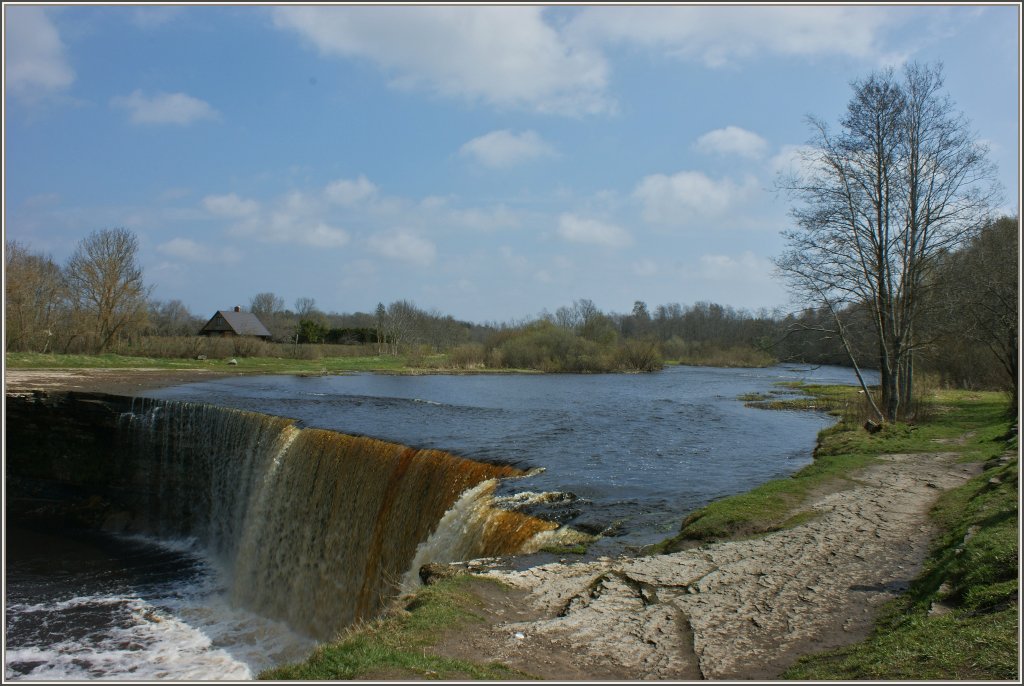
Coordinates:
(735, 610)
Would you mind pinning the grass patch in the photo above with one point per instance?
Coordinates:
(836, 400)
(245, 365)
(394, 647)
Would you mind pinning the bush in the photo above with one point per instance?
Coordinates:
(550, 348)
(467, 356)
(639, 356)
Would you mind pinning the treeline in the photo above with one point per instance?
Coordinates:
(971, 322)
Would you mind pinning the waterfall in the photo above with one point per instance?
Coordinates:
(313, 527)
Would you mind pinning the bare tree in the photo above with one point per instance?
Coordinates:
(266, 304)
(399, 324)
(105, 285)
(34, 299)
(304, 307)
(903, 182)
(269, 308)
(172, 318)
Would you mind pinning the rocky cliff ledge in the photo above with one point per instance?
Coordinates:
(65, 462)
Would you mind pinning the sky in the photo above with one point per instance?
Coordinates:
(488, 162)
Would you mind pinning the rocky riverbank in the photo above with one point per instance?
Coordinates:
(734, 610)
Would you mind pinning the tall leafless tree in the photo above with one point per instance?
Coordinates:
(901, 183)
(105, 286)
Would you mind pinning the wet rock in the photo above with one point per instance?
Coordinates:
(432, 572)
(872, 427)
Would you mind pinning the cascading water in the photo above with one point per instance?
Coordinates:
(313, 527)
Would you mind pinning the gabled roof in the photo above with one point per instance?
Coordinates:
(241, 323)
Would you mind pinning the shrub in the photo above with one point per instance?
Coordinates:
(639, 356)
(467, 356)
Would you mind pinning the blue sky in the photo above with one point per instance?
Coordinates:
(490, 162)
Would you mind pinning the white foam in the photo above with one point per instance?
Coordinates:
(190, 632)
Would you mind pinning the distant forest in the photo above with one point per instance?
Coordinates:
(98, 302)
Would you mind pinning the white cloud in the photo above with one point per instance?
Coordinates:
(190, 251)
(230, 205)
(689, 195)
(504, 148)
(732, 140)
(299, 218)
(34, 60)
(513, 260)
(296, 218)
(473, 218)
(346, 192)
(722, 35)
(645, 268)
(729, 268)
(322, 235)
(582, 230)
(500, 55)
(404, 246)
(164, 108)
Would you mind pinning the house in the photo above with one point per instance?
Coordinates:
(234, 323)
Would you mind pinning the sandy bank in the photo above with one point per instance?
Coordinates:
(128, 381)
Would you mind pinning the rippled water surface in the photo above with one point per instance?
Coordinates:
(638, 450)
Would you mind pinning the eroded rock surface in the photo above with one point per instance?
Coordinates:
(734, 610)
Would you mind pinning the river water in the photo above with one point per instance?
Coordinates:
(629, 456)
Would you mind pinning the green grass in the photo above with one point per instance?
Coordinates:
(250, 365)
(395, 647)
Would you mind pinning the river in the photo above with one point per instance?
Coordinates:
(626, 456)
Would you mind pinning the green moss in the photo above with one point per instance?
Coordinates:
(577, 549)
